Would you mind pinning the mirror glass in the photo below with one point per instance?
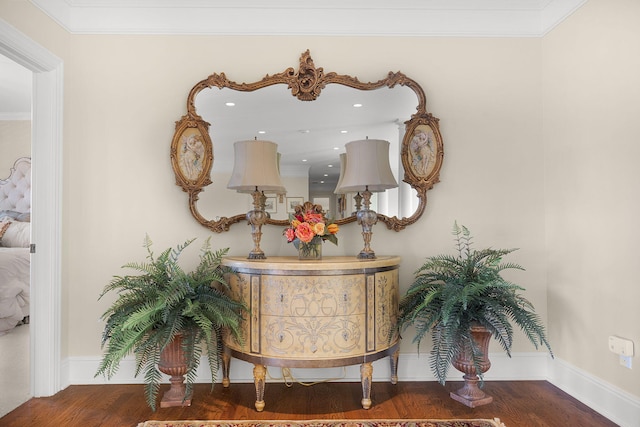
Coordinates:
(310, 135)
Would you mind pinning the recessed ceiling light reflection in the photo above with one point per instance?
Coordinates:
(358, 105)
(230, 104)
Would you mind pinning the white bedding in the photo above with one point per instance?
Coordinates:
(14, 287)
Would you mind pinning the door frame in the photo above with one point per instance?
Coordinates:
(46, 206)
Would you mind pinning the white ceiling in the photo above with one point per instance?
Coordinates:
(500, 18)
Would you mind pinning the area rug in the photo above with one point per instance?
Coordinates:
(328, 423)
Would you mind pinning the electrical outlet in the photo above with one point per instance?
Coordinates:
(626, 361)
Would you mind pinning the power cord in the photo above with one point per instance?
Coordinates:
(288, 378)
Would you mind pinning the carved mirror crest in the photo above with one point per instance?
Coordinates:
(193, 155)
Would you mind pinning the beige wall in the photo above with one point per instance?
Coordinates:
(591, 128)
(124, 93)
(15, 142)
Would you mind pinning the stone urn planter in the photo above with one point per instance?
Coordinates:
(174, 364)
(470, 394)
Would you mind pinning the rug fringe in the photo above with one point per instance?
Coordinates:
(495, 422)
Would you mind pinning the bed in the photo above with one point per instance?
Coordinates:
(15, 234)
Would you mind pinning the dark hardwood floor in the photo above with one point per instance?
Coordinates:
(516, 403)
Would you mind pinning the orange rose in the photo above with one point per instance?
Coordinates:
(304, 232)
(318, 228)
(333, 228)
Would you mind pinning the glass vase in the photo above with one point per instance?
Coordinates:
(310, 251)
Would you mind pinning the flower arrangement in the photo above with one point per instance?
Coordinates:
(309, 228)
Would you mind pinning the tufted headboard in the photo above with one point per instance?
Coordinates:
(15, 191)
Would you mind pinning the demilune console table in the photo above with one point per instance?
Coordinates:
(315, 314)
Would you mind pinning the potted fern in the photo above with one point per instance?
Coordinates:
(166, 309)
(462, 301)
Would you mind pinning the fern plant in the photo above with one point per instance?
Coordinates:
(451, 293)
(162, 302)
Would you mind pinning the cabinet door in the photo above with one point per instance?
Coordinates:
(386, 308)
(312, 316)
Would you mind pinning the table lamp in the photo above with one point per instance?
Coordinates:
(255, 170)
(367, 170)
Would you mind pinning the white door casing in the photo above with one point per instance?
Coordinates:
(46, 194)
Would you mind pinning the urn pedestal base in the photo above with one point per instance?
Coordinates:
(175, 396)
(470, 394)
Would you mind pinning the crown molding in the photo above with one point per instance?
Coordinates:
(463, 18)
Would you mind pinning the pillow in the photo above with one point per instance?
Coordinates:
(18, 216)
(4, 224)
(9, 214)
(25, 217)
(16, 235)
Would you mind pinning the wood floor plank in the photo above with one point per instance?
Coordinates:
(516, 403)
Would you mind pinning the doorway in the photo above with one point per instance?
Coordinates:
(46, 134)
(15, 144)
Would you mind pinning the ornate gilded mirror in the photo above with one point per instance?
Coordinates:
(290, 105)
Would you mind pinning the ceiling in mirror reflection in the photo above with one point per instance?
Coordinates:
(310, 134)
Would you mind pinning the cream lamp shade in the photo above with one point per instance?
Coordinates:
(367, 166)
(255, 165)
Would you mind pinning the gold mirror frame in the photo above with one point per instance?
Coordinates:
(192, 148)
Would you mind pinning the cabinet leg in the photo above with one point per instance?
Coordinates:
(259, 375)
(226, 361)
(393, 360)
(366, 371)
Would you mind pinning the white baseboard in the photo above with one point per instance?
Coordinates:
(617, 405)
(411, 367)
(613, 403)
(522, 366)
